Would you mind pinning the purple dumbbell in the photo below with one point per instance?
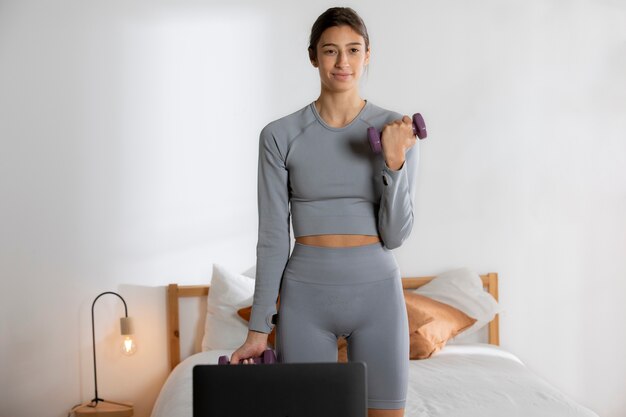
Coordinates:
(419, 129)
(268, 357)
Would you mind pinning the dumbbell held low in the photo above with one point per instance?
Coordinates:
(268, 357)
(419, 129)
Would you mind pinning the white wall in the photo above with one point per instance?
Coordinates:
(128, 160)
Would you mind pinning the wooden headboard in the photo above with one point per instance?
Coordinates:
(175, 291)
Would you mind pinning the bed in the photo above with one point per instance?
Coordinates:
(457, 379)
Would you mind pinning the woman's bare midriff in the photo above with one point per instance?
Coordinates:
(337, 241)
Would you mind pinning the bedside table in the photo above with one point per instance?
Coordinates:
(104, 408)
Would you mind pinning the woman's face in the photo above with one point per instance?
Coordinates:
(341, 58)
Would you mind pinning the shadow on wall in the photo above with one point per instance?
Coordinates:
(144, 373)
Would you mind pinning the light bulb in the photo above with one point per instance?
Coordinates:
(128, 346)
(127, 329)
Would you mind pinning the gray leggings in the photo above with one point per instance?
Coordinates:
(355, 292)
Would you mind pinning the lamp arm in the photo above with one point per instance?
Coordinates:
(93, 341)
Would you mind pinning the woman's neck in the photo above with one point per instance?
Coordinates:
(338, 110)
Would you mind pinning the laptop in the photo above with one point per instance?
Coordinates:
(281, 390)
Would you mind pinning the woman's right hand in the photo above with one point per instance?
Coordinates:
(255, 345)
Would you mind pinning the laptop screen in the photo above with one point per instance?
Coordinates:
(280, 390)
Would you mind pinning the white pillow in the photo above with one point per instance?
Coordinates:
(223, 328)
(463, 289)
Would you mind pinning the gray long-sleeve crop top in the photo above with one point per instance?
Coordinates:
(334, 184)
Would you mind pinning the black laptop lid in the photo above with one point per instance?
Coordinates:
(280, 390)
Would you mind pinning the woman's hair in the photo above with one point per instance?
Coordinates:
(336, 16)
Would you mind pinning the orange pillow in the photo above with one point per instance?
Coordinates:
(431, 325)
(342, 347)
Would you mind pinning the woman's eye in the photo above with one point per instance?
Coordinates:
(329, 52)
(354, 50)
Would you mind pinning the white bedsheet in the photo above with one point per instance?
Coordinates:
(483, 380)
(476, 380)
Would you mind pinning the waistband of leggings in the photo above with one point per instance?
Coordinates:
(341, 265)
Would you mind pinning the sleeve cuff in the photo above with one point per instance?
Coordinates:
(262, 318)
(390, 176)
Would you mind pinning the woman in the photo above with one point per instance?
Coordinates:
(349, 207)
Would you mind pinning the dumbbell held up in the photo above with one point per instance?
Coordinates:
(419, 129)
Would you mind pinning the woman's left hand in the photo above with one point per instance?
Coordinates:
(397, 138)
